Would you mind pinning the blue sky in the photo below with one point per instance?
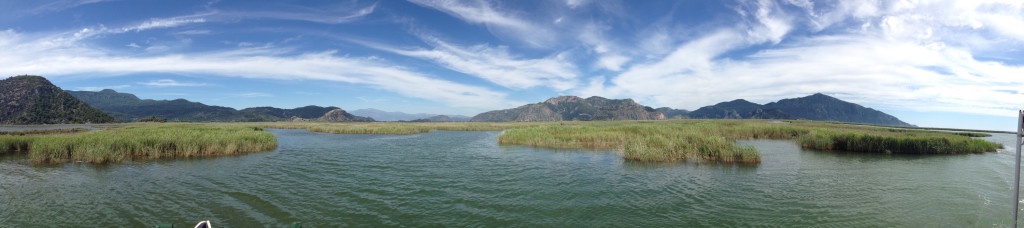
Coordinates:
(930, 63)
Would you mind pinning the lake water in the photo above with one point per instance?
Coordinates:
(449, 178)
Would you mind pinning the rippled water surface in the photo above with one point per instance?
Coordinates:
(466, 179)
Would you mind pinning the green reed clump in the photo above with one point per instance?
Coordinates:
(142, 142)
(921, 143)
(715, 140)
(972, 134)
(45, 131)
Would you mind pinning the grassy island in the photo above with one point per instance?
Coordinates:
(140, 142)
(647, 141)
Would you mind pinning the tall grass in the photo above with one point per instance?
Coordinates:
(715, 140)
(650, 141)
(45, 131)
(142, 142)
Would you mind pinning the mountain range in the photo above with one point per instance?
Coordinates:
(34, 100)
(818, 107)
(382, 115)
(573, 108)
(127, 107)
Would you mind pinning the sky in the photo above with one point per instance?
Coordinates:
(930, 63)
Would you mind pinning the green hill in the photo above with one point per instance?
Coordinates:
(34, 100)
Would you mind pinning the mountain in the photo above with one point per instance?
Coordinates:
(573, 108)
(818, 107)
(440, 118)
(814, 107)
(34, 100)
(128, 107)
(823, 107)
(338, 115)
(671, 113)
(381, 115)
(275, 114)
(736, 109)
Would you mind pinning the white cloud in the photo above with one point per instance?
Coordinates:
(310, 15)
(162, 23)
(58, 56)
(254, 94)
(495, 64)
(907, 57)
(500, 23)
(612, 62)
(98, 88)
(171, 83)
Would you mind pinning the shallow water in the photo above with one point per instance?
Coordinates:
(465, 179)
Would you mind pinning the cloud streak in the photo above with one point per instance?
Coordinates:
(171, 83)
(493, 64)
(63, 59)
(889, 61)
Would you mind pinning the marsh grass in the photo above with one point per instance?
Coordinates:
(45, 132)
(142, 142)
(645, 141)
(715, 140)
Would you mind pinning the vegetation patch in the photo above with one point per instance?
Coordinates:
(45, 132)
(141, 142)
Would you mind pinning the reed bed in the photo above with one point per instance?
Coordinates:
(647, 141)
(715, 140)
(45, 132)
(142, 142)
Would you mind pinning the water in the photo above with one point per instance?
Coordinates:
(466, 179)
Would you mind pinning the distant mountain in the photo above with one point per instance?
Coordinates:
(814, 107)
(441, 118)
(34, 100)
(823, 107)
(275, 114)
(381, 115)
(671, 113)
(573, 108)
(128, 107)
(736, 109)
(338, 115)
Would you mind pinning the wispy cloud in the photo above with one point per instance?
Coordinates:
(887, 59)
(163, 23)
(60, 5)
(28, 55)
(171, 83)
(499, 22)
(310, 15)
(98, 88)
(494, 64)
(254, 94)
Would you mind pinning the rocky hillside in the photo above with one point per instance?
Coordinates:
(34, 100)
(338, 115)
(573, 108)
